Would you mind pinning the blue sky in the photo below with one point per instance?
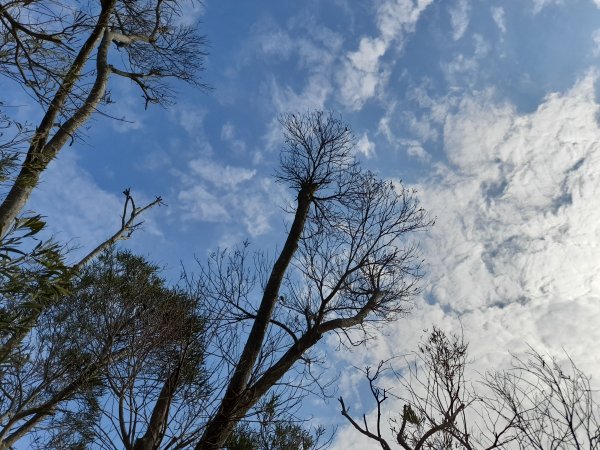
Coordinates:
(488, 107)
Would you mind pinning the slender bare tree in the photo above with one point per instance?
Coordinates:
(347, 261)
(537, 404)
(549, 404)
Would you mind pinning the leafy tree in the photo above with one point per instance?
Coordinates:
(63, 55)
(110, 365)
(279, 436)
(275, 429)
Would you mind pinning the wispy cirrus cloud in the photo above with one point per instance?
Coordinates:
(459, 18)
(499, 18)
(363, 74)
(221, 193)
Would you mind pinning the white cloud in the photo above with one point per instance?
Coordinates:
(313, 95)
(274, 42)
(189, 117)
(538, 5)
(362, 74)
(596, 39)
(523, 190)
(221, 175)
(498, 16)
(397, 18)
(463, 70)
(228, 135)
(365, 147)
(515, 251)
(312, 47)
(219, 193)
(201, 205)
(415, 150)
(459, 18)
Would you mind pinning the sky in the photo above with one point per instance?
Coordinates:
(488, 107)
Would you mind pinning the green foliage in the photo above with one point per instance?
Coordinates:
(276, 436)
(274, 430)
(32, 271)
(33, 275)
(124, 324)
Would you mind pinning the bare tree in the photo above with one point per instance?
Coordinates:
(63, 53)
(347, 262)
(549, 405)
(538, 403)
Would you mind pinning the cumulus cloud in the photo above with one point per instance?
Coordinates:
(525, 192)
(513, 257)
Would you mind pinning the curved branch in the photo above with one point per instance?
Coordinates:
(128, 226)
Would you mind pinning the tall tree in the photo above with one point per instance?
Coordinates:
(109, 364)
(347, 261)
(63, 55)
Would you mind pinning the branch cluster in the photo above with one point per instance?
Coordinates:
(539, 403)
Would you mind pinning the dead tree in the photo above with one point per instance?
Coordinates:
(435, 397)
(549, 404)
(538, 404)
(348, 261)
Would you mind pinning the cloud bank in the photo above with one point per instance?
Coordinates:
(514, 255)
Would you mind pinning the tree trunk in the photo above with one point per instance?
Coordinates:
(235, 403)
(43, 149)
(158, 422)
